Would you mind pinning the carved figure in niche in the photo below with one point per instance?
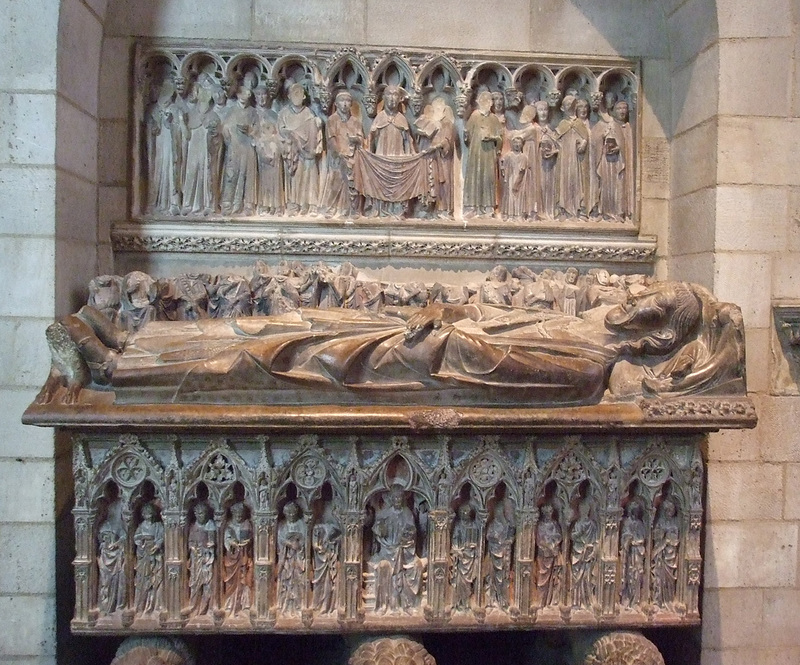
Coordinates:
(666, 539)
(164, 123)
(496, 289)
(269, 154)
(499, 111)
(464, 557)
(398, 569)
(325, 539)
(390, 136)
(216, 145)
(230, 296)
(549, 557)
(301, 133)
(112, 535)
(513, 168)
(139, 293)
(202, 126)
(338, 288)
(240, 176)
(585, 159)
(438, 138)
(369, 295)
(569, 293)
(632, 551)
(291, 559)
(544, 146)
(149, 580)
(202, 554)
(499, 546)
(190, 296)
(573, 135)
(345, 135)
(105, 293)
(483, 136)
(613, 165)
(237, 563)
(583, 556)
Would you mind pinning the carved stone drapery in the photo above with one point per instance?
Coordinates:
(349, 132)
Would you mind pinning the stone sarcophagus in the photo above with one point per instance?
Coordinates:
(312, 449)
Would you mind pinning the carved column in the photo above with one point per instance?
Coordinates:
(524, 557)
(175, 559)
(609, 561)
(264, 567)
(351, 610)
(694, 565)
(85, 565)
(437, 610)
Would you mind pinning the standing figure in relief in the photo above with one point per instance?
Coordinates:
(437, 137)
(499, 111)
(111, 537)
(499, 546)
(613, 164)
(569, 293)
(201, 124)
(390, 135)
(543, 167)
(549, 559)
(139, 294)
(632, 546)
(573, 136)
(338, 288)
(464, 557)
(583, 557)
(398, 569)
(202, 553)
(301, 133)
(513, 168)
(149, 541)
(269, 155)
(237, 563)
(483, 136)
(585, 160)
(325, 538)
(666, 539)
(165, 164)
(345, 135)
(216, 145)
(496, 288)
(291, 560)
(240, 175)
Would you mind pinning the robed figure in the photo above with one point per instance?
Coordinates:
(291, 560)
(398, 569)
(345, 135)
(483, 136)
(573, 137)
(149, 541)
(240, 174)
(464, 557)
(301, 133)
(237, 563)
(614, 164)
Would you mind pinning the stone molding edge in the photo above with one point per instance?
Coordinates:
(698, 414)
(699, 409)
(641, 251)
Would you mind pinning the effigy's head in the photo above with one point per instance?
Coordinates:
(662, 317)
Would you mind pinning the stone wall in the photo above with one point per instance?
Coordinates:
(722, 104)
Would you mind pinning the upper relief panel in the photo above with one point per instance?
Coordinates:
(303, 135)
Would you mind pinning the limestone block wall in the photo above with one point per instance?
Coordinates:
(721, 189)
